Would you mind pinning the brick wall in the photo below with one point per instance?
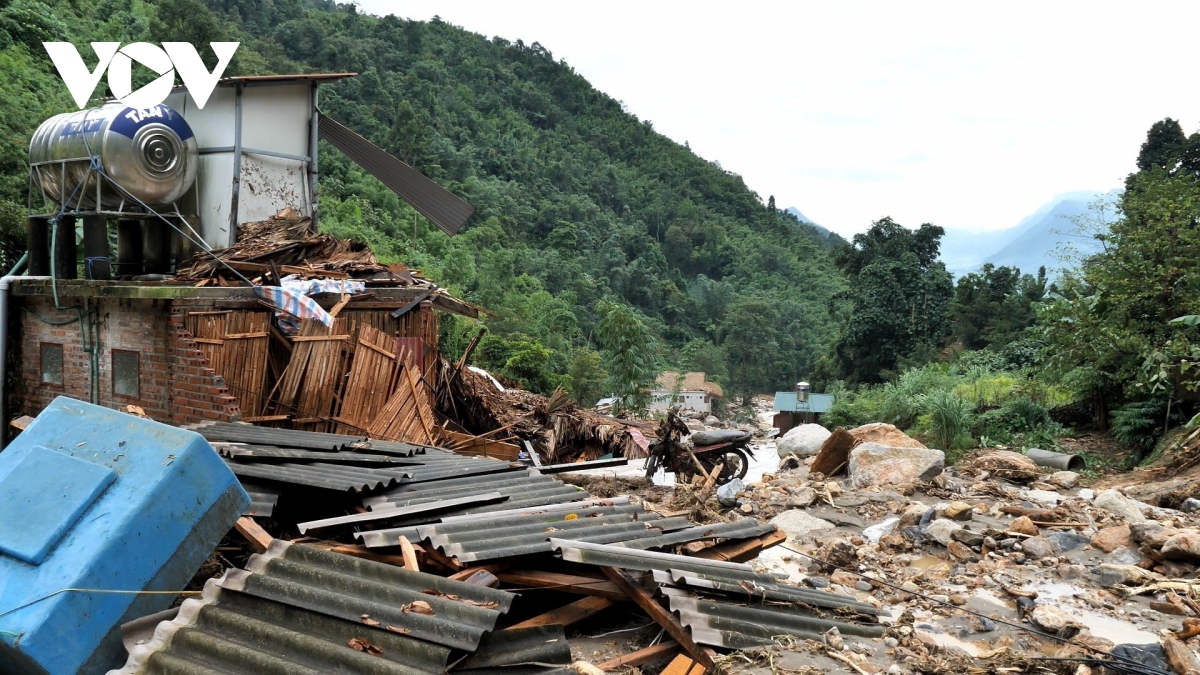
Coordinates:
(175, 384)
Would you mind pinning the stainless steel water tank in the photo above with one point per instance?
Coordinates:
(151, 152)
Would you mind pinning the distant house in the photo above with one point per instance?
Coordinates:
(790, 411)
(689, 391)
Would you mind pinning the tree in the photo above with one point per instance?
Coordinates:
(752, 346)
(995, 305)
(586, 377)
(631, 355)
(899, 294)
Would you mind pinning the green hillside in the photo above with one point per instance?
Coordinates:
(583, 211)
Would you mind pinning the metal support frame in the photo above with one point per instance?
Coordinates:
(237, 165)
(313, 146)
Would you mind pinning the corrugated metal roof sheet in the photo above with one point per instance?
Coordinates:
(226, 632)
(786, 401)
(262, 499)
(516, 534)
(739, 529)
(380, 516)
(362, 590)
(388, 537)
(751, 609)
(439, 205)
(543, 645)
(283, 438)
(319, 475)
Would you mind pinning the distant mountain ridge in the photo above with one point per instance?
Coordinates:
(1036, 241)
(805, 219)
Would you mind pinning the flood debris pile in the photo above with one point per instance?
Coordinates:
(286, 245)
(558, 430)
(359, 555)
(996, 564)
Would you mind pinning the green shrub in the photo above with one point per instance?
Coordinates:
(949, 419)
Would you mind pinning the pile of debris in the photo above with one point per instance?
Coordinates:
(285, 245)
(556, 427)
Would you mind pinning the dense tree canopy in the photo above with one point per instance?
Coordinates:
(899, 293)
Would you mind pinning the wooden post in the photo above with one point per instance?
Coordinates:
(664, 618)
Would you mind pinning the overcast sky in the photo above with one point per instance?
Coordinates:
(961, 114)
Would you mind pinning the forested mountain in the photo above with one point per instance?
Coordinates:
(584, 212)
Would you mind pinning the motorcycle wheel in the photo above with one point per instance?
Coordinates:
(737, 465)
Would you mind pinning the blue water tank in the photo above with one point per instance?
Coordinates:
(96, 500)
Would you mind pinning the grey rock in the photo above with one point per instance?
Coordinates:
(797, 523)
(1116, 503)
(965, 536)
(1064, 479)
(804, 440)
(1036, 548)
(1190, 505)
(864, 586)
(727, 494)
(816, 582)
(874, 464)
(941, 530)
(1062, 542)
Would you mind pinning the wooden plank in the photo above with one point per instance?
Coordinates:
(468, 571)
(482, 578)
(21, 422)
(253, 532)
(684, 665)
(363, 552)
(641, 656)
(319, 338)
(567, 583)
(409, 555)
(568, 614)
(743, 550)
(266, 418)
(1181, 657)
(246, 336)
(660, 615)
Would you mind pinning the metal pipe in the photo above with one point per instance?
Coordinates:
(5, 282)
(1056, 460)
(237, 165)
(313, 143)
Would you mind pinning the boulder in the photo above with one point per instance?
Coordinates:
(1064, 479)
(1110, 539)
(834, 453)
(727, 494)
(884, 434)
(1183, 546)
(1062, 542)
(711, 421)
(1008, 465)
(1036, 548)
(1023, 525)
(803, 440)
(1051, 619)
(1116, 503)
(874, 464)
(796, 523)
(942, 531)
(959, 511)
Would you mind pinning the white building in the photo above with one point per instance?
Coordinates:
(689, 391)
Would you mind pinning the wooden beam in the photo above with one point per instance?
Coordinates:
(253, 533)
(567, 583)
(660, 615)
(746, 549)
(466, 572)
(479, 577)
(409, 554)
(568, 614)
(641, 656)
(684, 665)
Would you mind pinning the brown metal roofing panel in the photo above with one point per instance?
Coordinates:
(442, 207)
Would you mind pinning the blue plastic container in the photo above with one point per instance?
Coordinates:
(94, 499)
